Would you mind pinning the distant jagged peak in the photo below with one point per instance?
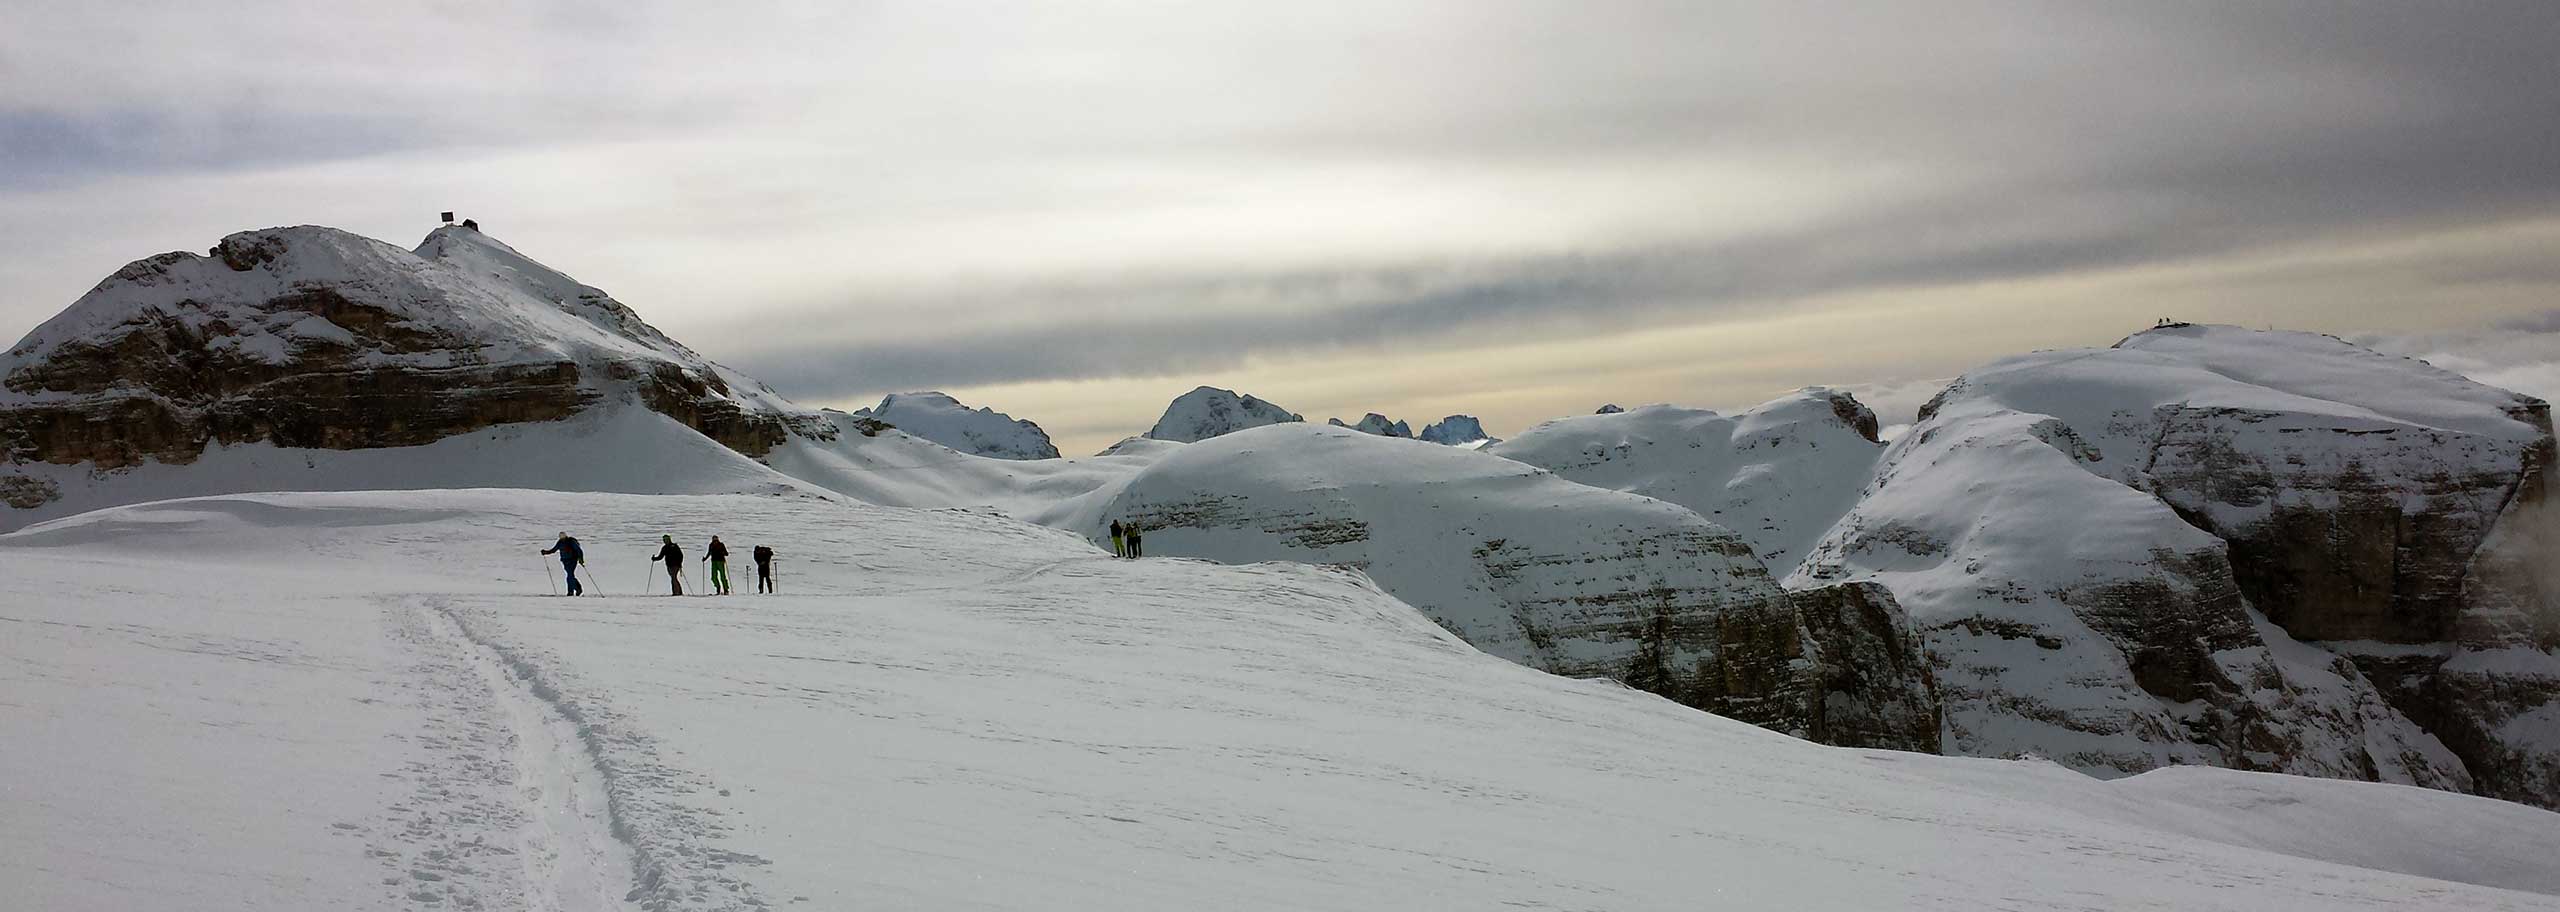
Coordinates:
(1208, 411)
(1457, 430)
(1376, 424)
(1609, 409)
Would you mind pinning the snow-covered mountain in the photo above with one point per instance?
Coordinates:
(312, 359)
(2210, 545)
(263, 702)
(1208, 412)
(1525, 565)
(1458, 430)
(1376, 425)
(979, 432)
(1779, 474)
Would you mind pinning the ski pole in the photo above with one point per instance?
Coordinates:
(546, 574)
(591, 577)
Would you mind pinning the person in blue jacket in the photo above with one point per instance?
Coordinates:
(570, 557)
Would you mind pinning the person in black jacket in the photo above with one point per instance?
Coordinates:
(764, 568)
(570, 557)
(674, 557)
(719, 555)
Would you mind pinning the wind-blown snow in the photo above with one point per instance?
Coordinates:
(979, 432)
(360, 701)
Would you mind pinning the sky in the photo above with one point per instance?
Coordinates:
(1075, 212)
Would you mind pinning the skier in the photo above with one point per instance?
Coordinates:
(570, 557)
(674, 556)
(1119, 540)
(719, 555)
(764, 568)
(1135, 549)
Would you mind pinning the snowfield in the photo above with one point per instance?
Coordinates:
(363, 701)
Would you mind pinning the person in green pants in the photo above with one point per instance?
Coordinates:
(719, 555)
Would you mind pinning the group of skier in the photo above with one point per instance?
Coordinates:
(717, 554)
(1125, 540)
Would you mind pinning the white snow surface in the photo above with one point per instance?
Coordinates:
(981, 431)
(362, 701)
(1779, 474)
(1208, 412)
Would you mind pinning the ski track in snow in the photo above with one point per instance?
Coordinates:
(573, 861)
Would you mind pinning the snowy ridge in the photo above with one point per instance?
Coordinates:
(1021, 721)
(979, 432)
(1527, 566)
(1779, 474)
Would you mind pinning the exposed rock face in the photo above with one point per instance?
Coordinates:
(1609, 409)
(1562, 577)
(1208, 412)
(2333, 582)
(981, 432)
(314, 338)
(1456, 430)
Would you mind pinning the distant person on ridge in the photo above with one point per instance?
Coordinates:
(1119, 540)
(674, 556)
(570, 557)
(1135, 549)
(764, 568)
(719, 555)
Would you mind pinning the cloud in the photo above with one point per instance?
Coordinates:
(849, 199)
(2520, 353)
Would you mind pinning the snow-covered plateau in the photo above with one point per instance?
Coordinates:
(364, 701)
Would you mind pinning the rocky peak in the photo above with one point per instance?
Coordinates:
(1376, 425)
(1455, 430)
(1207, 412)
(938, 417)
(314, 337)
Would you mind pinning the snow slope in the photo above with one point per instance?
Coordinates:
(1527, 566)
(978, 432)
(359, 701)
(1208, 412)
(1779, 474)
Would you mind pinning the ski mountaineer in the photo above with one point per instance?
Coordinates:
(570, 557)
(764, 568)
(1135, 549)
(719, 555)
(1119, 540)
(674, 556)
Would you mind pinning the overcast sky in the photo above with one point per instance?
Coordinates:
(1074, 212)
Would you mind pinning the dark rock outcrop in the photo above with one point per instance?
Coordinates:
(314, 338)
